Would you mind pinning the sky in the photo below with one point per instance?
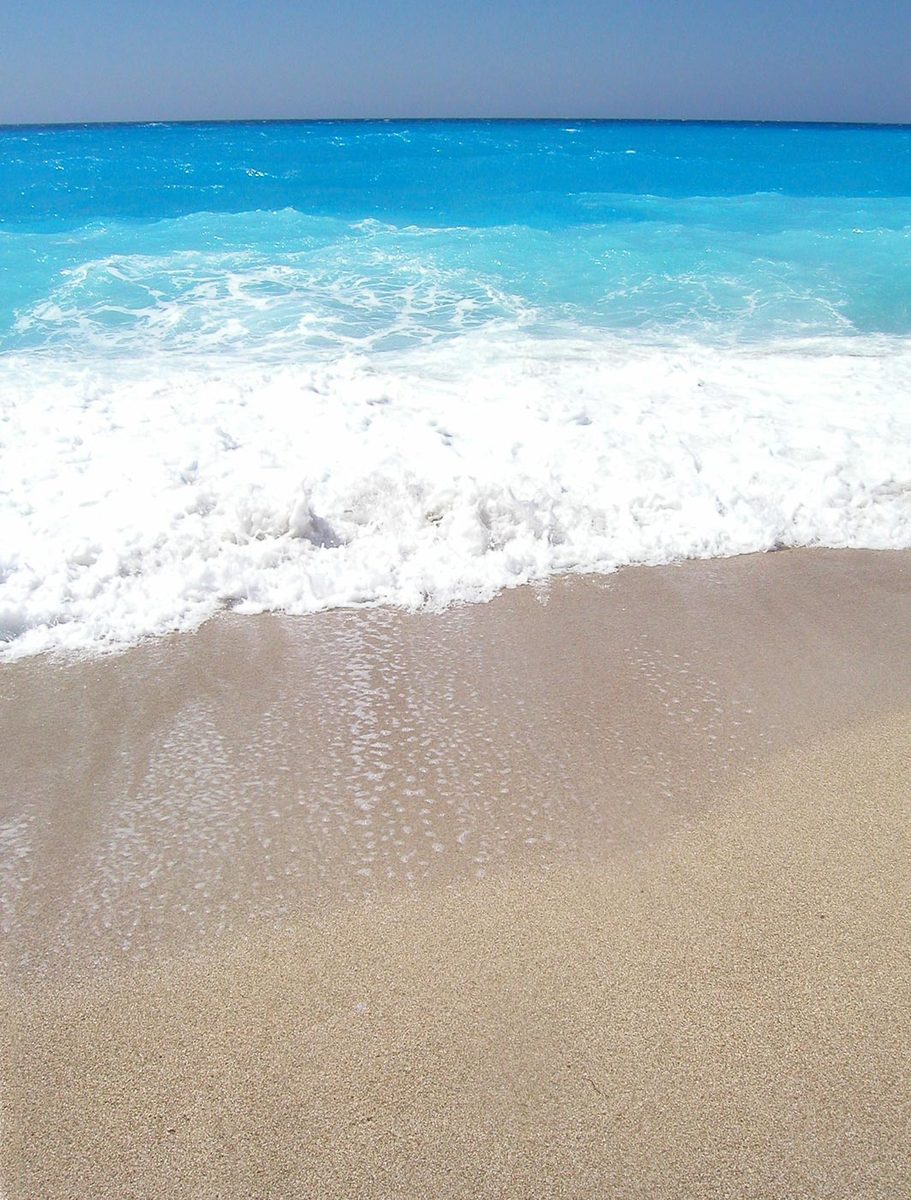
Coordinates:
(123, 60)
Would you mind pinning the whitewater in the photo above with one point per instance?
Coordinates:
(302, 366)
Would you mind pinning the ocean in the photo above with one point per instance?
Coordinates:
(296, 366)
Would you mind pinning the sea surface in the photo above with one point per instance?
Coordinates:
(304, 365)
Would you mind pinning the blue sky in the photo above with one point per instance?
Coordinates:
(89, 60)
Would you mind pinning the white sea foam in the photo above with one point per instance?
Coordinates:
(140, 499)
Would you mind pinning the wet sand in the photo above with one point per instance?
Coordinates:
(599, 889)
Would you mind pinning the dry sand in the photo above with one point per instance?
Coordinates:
(597, 890)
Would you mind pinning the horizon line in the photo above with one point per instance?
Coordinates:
(153, 121)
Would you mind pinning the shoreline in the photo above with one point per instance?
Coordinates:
(282, 765)
(633, 915)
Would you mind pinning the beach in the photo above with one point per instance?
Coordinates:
(598, 889)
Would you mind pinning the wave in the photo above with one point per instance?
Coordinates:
(142, 496)
(285, 284)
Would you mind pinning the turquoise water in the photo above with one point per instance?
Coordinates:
(174, 236)
(302, 365)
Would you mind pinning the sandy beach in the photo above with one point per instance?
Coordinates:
(599, 889)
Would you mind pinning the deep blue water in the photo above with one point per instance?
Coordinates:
(442, 172)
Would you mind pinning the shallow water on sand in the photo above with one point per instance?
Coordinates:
(264, 769)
